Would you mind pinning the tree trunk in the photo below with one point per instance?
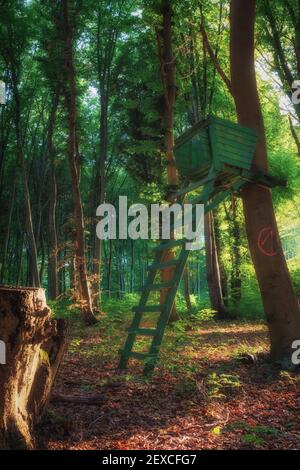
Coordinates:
(8, 230)
(99, 196)
(212, 267)
(19, 249)
(73, 157)
(294, 135)
(121, 288)
(132, 266)
(53, 267)
(34, 349)
(168, 75)
(222, 269)
(236, 280)
(105, 53)
(186, 284)
(109, 266)
(279, 299)
(42, 266)
(235, 252)
(62, 271)
(73, 281)
(21, 157)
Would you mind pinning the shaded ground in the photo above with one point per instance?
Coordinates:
(209, 391)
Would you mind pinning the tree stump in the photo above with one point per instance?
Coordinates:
(34, 346)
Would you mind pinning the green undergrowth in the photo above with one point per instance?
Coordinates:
(189, 344)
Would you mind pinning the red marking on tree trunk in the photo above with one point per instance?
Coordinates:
(267, 243)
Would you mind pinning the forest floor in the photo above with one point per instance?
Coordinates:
(213, 388)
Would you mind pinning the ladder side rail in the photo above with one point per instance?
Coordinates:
(137, 318)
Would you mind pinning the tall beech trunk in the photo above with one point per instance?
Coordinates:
(132, 264)
(33, 257)
(168, 76)
(43, 256)
(105, 39)
(294, 135)
(5, 130)
(186, 286)
(222, 270)
(212, 267)
(109, 268)
(53, 264)
(235, 252)
(73, 157)
(62, 270)
(17, 275)
(236, 280)
(278, 296)
(103, 69)
(99, 192)
(34, 349)
(213, 273)
(8, 230)
(72, 272)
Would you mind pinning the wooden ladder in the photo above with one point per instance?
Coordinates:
(210, 197)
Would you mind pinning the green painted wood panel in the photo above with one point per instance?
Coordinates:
(214, 143)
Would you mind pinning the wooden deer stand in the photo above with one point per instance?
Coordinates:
(214, 156)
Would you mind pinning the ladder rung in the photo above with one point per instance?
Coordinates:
(170, 244)
(136, 355)
(148, 308)
(163, 285)
(168, 264)
(143, 331)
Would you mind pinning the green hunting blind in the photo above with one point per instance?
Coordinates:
(214, 143)
(215, 156)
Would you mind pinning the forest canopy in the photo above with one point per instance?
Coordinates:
(119, 128)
